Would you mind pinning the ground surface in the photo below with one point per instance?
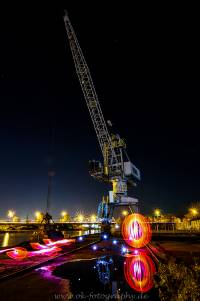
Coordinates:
(42, 283)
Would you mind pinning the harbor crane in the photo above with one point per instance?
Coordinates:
(116, 168)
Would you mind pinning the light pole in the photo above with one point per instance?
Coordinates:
(80, 218)
(63, 213)
(64, 216)
(93, 218)
(38, 216)
(11, 214)
(157, 214)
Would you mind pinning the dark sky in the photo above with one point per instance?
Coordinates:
(144, 68)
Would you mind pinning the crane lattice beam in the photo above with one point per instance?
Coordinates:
(91, 98)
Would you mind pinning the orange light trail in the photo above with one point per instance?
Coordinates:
(136, 230)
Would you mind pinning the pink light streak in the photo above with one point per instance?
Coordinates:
(62, 242)
(21, 253)
(6, 250)
(50, 248)
(38, 246)
(47, 251)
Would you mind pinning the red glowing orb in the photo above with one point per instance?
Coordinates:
(136, 230)
(139, 271)
(17, 253)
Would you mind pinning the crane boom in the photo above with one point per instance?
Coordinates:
(91, 97)
(117, 171)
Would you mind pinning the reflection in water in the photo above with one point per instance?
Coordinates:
(103, 269)
(107, 277)
(139, 270)
(47, 271)
(5, 240)
(10, 239)
(15, 238)
(68, 234)
(55, 283)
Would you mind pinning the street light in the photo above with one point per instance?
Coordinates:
(11, 213)
(124, 212)
(80, 218)
(93, 218)
(37, 214)
(63, 213)
(194, 211)
(157, 212)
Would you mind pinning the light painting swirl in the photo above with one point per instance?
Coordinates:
(139, 271)
(136, 230)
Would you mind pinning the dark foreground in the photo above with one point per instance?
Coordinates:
(102, 270)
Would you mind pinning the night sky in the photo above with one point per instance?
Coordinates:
(144, 69)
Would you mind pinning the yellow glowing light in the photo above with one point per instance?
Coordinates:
(38, 214)
(194, 211)
(5, 240)
(124, 212)
(80, 218)
(11, 213)
(63, 213)
(157, 212)
(93, 218)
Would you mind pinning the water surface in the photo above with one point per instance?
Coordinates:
(9, 239)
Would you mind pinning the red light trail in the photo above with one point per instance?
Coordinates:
(136, 230)
(50, 248)
(139, 270)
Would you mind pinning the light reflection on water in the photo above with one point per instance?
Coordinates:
(6, 240)
(108, 275)
(68, 234)
(139, 271)
(12, 239)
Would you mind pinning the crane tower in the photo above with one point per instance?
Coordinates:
(116, 168)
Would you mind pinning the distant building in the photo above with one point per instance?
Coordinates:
(195, 224)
